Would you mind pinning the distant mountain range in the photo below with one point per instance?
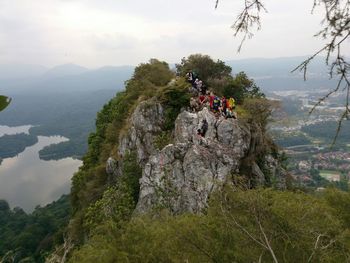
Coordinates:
(275, 74)
(278, 67)
(65, 70)
(63, 78)
(270, 74)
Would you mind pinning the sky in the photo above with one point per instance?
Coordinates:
(94, 33)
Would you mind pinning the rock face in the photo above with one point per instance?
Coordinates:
(182, 175)
(145, 124)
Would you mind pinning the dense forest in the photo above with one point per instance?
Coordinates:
(30, 237)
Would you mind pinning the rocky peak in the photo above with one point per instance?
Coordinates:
(145, 124)
(182, 175)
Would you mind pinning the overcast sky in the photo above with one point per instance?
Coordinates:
(94, 33)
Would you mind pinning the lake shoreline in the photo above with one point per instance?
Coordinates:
(27, 180)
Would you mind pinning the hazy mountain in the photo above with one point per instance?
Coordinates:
(275, 73)
(70, 78)
(269, 73)
(65, 70)
(278, 67)
(20, 71)
(102, 78)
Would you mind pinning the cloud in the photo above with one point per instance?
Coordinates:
(95, 33)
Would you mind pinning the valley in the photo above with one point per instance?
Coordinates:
(314, 158)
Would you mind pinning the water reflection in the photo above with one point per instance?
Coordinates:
(27, 181)
(14, 130)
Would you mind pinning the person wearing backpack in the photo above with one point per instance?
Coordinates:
(231, 103)
(216, 104)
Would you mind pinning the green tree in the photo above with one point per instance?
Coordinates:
(204, 66)
(259, 110)
(218, 77)
(261, 225)
(29, 237)
(155, 71)
(241, 87)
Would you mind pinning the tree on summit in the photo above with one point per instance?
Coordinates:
(335, 31)
(218, 77)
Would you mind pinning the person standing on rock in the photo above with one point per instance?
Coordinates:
(202, 131)
(223, 106)
(196, 85)
(190, 77)
(231, 105)
(202, 101)
(216, 104)
(211, 100)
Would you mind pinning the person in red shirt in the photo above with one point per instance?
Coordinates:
(211, 100)
(202, 101)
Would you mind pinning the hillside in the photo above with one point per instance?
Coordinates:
(148, 178)
(153, 188)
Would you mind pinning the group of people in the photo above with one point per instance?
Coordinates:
(202, 97)
(198, 87)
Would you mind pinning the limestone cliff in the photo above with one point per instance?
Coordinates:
(182, 175)
(146, 154)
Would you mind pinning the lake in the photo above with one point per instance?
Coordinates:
(26, 181)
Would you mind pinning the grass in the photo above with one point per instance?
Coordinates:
(328, 174)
